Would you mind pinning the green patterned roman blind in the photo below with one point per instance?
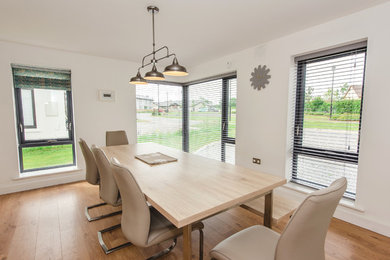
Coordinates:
(29, 78)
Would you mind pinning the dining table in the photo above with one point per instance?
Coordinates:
(193, 188)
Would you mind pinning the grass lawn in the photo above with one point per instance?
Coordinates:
(323, 122)
(47, 156)
(207, 129)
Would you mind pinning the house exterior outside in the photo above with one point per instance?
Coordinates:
(144, 103)
(353, 92)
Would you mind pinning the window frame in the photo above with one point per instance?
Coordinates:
(23, 143)
(326, 154)
(34, 125)
(225, 138)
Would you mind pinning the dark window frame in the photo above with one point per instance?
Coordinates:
(34, 125)
(298, 148)
(22, 143)
(225, 139)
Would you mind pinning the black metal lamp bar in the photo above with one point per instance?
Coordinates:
(174, 70)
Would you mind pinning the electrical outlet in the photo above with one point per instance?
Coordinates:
(256, 160)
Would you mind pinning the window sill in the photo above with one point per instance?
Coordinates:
(47, 172)
(348, 203)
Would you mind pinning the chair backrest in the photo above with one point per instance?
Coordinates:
(109, 191)
(116, 138)
(135, 222)
(304, 236)
(92, 173)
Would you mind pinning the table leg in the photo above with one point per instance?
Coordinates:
(268, 205)
(187, 242)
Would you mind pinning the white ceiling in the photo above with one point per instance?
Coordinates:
(196, 30)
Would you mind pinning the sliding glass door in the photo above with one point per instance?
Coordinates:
(205, 118)
(212, 119)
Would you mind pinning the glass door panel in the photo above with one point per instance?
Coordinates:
(205, 106)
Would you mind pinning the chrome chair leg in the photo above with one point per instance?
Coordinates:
(90, 219)
(164, 252)
(104, 246)
(169, 249)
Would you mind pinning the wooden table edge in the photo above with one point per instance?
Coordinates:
(212, 212)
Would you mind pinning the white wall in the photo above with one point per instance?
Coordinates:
(91, 117)
(263, 120)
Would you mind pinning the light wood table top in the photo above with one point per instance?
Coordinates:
(194, 187)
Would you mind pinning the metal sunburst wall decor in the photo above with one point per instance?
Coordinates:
(260, 77)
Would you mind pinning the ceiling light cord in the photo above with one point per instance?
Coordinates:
(154, 44)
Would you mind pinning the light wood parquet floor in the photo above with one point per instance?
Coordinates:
(49, 223)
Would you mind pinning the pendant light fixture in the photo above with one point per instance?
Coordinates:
(154, 74)
(175, 69)
(138, 80)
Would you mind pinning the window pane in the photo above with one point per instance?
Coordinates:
(230, 150)
(310, 170)
(47, 156)
(205, 115)
(28, 106)
(160, 117)
(159, 114)
(51, 115)
(327, 120)
(44, 117)
(232, 83)
(333, 91)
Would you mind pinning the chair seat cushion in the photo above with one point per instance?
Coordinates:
(254, 243)
(161, 229)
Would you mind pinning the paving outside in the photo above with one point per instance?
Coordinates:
(340, 140)
(147, 124)
(213, 151)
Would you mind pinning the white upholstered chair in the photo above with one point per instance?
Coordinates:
(302, 239)
(92, 177)
(116, 138)
(142, 225)
(108, 192)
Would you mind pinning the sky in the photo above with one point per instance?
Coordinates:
(348, 69)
